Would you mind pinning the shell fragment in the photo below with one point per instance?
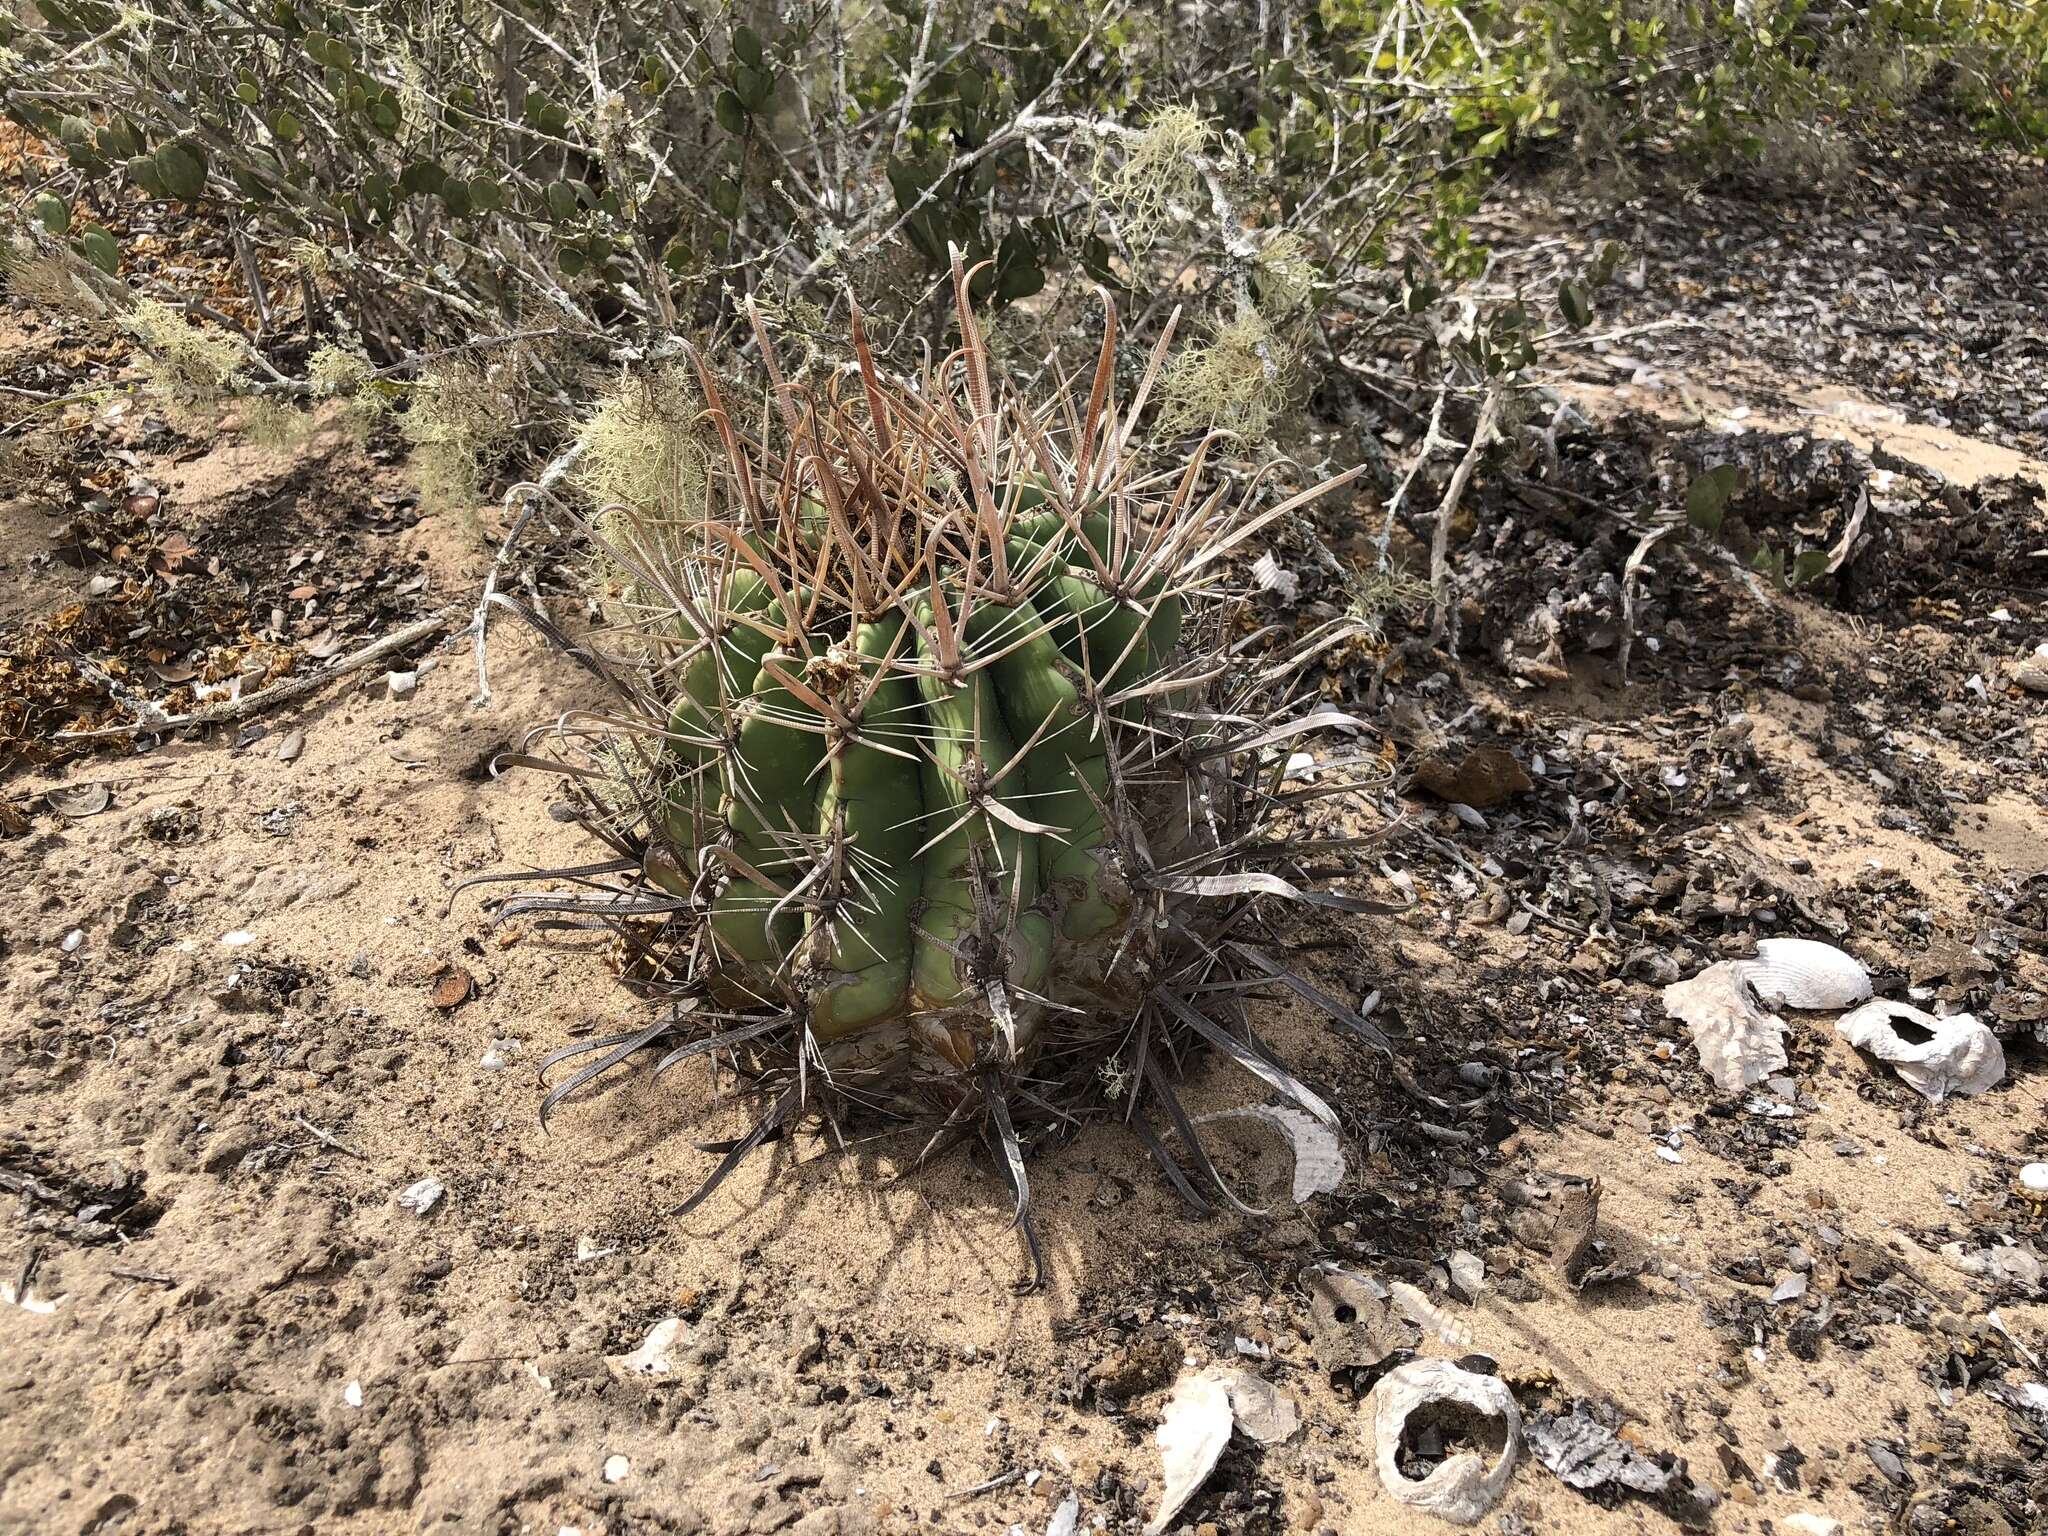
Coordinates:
(1463, 1487)
(1936, 1057)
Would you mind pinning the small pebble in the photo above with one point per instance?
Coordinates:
(2034, 1178)
(616, 1468)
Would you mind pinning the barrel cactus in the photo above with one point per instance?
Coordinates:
(943, 775)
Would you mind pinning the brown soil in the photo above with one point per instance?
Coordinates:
(217, 1092)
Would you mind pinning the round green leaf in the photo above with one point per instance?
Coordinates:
(98, 246)
(731, 111)
(181, 167)
(485, 195)
(571, 261)
(561, 201)
(755, 86)
(1575, 303)
(1707, 498)
(286, 128)
(423, 177)
(52, 212)
(118, 139)
(142, 171)
(746, 46)
(1018, 283)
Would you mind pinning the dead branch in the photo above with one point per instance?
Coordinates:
(157, 723)
(1440, 583)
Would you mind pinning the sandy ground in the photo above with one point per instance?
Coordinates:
(222, 1061)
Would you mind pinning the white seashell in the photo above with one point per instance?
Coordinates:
(1318, 1156)
(1191, 1436)
(1952, 1055)
(1463, 1487)
(655, 1356)
(1739, 1043)
(1805, 973)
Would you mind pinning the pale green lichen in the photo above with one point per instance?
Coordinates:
(1151, 183)
(269, 422)
(1236, 382)
(188, 364)
(338, 373)
(1286, 277)
(644, 446)
(459, 422)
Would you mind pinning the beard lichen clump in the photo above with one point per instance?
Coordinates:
(188, 364)
(935, 783)
(1154, 185)
(461, 418)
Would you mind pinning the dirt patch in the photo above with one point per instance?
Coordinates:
(228, 1054)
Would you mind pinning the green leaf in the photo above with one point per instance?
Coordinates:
(181, 167)
(971, 86)
(1807, 565)
(286, 128)
(485, 195)
(423, 177)
(1575, 303)
(560, 198)
(119, 139)
(755, 86)
(246, 90)
(678, 257)
(731, 111)
(908, 182)
(1707, 498)
(570, 260)
(1770, 564)
(725, 196)
(385, 112)
(98, 246)
(1018, 283)
(52, 212)
(746, 46)
(142, 171)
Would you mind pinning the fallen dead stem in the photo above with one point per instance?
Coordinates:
(278, 693)
(1440, 581)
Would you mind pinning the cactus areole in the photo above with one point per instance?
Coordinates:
(943, 779)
